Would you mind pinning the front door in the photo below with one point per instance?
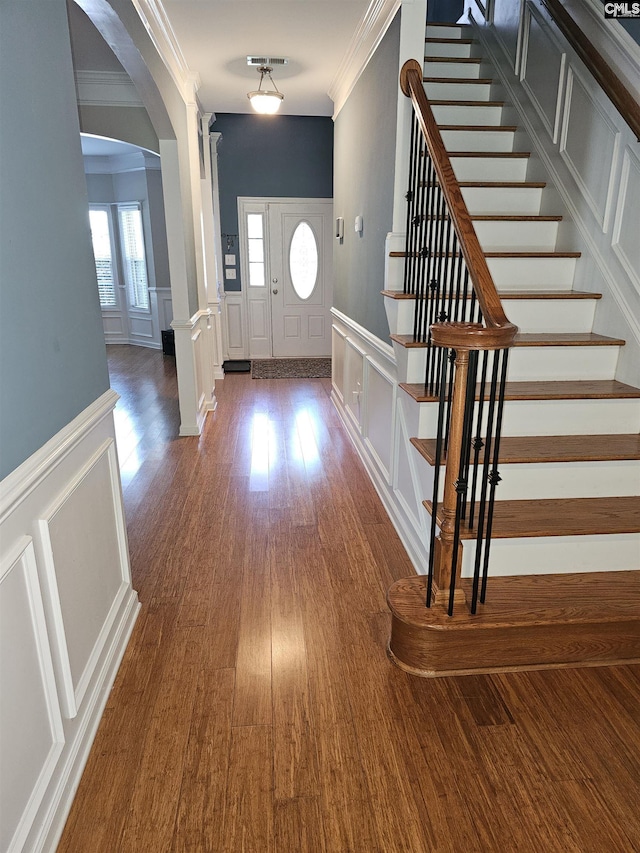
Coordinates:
(287, 280)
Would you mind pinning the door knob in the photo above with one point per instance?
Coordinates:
(275, 290)
(274, 280)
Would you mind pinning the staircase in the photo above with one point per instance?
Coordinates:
(564, 583)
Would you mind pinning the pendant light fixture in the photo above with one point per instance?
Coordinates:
(266, 101)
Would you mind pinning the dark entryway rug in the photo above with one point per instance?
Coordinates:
(291, 368)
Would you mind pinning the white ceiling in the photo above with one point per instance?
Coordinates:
(215, 37)
(99, 146)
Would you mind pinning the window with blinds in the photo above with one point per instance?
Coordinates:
(100, 222)
(133, 255)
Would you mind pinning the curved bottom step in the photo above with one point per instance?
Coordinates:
(532, 622)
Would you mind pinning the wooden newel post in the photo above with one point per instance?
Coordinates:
(444, 556)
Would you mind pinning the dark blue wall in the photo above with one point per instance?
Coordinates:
(271, 156)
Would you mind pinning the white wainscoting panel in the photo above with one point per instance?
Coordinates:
(86, 570)
(66, 613)
(338, 359)
(140, 327)
(367, 397)
(506, 20)
(378, 419)
(354, 381)
(235, 338)
(592, 169)
(199, 352)
(586, 128)
(626, 230)
(31, 733)
(542, 72)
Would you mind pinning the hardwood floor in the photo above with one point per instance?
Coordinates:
(256, 710)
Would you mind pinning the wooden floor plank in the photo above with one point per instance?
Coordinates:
(255, 709)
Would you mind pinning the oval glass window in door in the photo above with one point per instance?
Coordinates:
(303, 260)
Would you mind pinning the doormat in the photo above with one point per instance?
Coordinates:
(291, 368)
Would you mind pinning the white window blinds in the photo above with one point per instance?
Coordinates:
(99, 220)
(133, 256)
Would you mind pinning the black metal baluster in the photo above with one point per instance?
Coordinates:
(422, 255)
(478, 443)
(494, 476)
(485, 481)
(467, 437)
(410, 199)
(411, 253)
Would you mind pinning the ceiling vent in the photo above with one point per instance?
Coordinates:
(273, 61)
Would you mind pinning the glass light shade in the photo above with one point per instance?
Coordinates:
(266, 103)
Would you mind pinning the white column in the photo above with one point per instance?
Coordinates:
(212, 242)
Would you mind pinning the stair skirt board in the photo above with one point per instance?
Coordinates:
(538, 622)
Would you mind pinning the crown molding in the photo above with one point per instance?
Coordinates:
(106, 89)
(365, 40)
(157, 24)
(134, 161)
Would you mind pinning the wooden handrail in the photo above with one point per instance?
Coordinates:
(613, 87)
(498, 332)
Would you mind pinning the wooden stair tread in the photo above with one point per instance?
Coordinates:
(553, 448)
(559, 517)
(467, 60)
(481, 128)
(505, 254)
(514, 217)
(539, 185)
(535, 339)
(507, 154)
(534, 599)
(565, 339)
(453, 103)
(532, 254)
(433, 40)
(570, 389)
(480, 80)
(514, 294)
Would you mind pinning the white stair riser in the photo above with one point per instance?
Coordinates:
(517, 236)
(456, 91)
(533, 481)
(530, 315)
(551, 315)
(508, 200)
(452, 70)
(547, 417)
(460, 114)
(394, 279)
(556, 554)
(562, 363)
(531, 363)
(432, 49)
(478, 140)
(489, 168)
(571, 417)
(448, 32)
(569, 480)
(532, 273)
